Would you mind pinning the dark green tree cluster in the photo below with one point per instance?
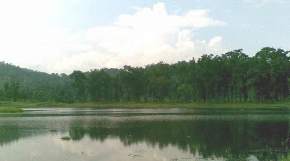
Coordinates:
(230, 77)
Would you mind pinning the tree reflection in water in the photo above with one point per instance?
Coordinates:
(233, 139)
(229, 139)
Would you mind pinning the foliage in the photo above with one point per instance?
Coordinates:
(230, 77)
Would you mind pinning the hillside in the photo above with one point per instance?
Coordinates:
(21, 83)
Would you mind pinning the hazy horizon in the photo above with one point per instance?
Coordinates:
(61, 36)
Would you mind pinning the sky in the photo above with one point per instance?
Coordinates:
(59, 36)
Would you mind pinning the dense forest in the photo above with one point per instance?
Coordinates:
(230, 77)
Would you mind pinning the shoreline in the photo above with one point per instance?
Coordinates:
(17, 107)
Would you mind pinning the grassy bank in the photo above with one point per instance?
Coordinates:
(172, 105)
(285, 104)
(15, 107)
(12, 107)
(10, 110)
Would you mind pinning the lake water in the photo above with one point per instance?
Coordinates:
(144, 135)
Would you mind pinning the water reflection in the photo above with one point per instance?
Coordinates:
(146, 137)
(230, 139)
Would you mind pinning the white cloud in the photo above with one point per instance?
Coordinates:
(149, 35)
(215, 41)
(28, 34)
(260, 3)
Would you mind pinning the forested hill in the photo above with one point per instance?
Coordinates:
(230, 77)
(19, 83)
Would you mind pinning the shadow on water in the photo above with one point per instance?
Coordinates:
(230, 138)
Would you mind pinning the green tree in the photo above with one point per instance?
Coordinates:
(79, 83)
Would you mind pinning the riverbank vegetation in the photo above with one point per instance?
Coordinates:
(10, 110)
(137, 105)
(230, 78)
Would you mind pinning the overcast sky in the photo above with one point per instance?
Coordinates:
(63, 35)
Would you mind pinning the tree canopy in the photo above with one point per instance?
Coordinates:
(230, 77)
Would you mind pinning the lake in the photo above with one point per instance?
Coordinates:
(144, 135)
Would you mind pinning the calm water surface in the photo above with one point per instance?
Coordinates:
(144, 135)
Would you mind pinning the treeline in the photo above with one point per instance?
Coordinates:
(230, 77)
(233, 76)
